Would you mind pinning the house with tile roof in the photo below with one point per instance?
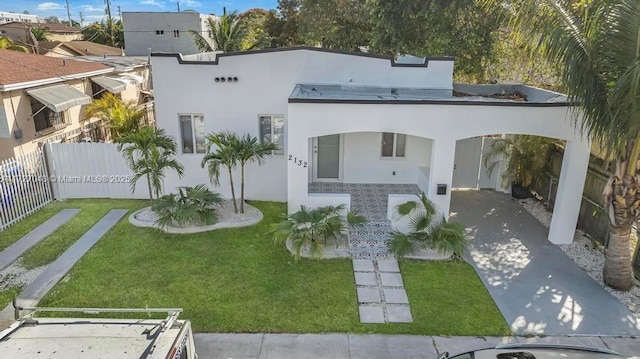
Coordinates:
(62, 32)
(76, 48)
(43, 99)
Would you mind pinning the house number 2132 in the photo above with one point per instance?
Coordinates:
(297, 161)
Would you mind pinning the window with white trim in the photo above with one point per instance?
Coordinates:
(393, 144)
(272, 131)
(192, 133)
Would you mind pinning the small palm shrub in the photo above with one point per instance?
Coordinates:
(191, 206)
(314, 228)
(427, 228)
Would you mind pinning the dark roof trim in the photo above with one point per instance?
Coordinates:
(282, 49)
(432, 102)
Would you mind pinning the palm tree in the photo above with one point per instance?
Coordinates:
(6, 43)
(314, 228)
(225, 155)
(40, 33)
(596, 47)
(227, 33)
(149, 153)
(427, 228)
(121, 117)
(250, 149)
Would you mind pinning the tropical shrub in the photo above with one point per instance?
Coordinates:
(315, 228)
(427, 228)
(191, 206)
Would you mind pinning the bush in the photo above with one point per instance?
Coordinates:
(191, 206)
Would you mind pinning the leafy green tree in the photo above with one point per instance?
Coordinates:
(190, 206)
(283, 24)
(314, 228)
(102, 33)
(596, 46)
(222, 149)
(52, 20)
(227, 32)
(335, 24)
(149, 153)
(255, 36)
(7, 44)
(121, 117)
(428, 229)
(459, 28)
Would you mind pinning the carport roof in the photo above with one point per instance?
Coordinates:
(461, 94)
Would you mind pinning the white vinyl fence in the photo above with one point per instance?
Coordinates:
(24, 187)
(91, 170)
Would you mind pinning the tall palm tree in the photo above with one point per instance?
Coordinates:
(121, 117)
(40, 33)
(149, 153)
(250, 149)
(222, 151)
(6, 43)
(227, 33)
(596, 46)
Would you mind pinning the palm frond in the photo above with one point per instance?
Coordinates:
(406, 208)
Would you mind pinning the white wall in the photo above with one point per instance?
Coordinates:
(140, 32)
(265, 82)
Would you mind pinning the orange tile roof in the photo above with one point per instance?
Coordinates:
(17, 67)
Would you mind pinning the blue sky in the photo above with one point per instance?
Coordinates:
(93, 10)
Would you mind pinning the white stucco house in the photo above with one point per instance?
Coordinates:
(353, 118)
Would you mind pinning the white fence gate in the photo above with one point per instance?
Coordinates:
(91, 170)
(469, 170)
(24, 187)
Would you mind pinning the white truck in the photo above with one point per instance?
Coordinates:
(33, 336)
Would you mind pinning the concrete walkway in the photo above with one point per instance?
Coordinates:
(538, 289)
(14, 251)
(380, 290)
(356, 346)
(32, 294)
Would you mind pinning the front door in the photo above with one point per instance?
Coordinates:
(467, 163)
(327, 151)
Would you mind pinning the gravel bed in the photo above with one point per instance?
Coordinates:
(226, 213)
(587, 254)
(15, 275)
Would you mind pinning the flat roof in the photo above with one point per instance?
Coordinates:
(120, 63)
(461, 94)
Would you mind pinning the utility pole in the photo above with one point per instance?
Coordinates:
(69, 14)
(119, 13)
(178, 4)
(109, 22)
(81, 20)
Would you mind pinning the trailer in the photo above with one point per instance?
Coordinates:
(37, 336)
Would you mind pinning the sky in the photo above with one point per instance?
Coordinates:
(94, 10)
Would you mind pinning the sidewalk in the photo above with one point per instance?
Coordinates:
(356, 346)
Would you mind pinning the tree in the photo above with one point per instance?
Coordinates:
(596, 45)
(314, 228)
(52, 20)
(121, 117)
(282, 25)
(40, 33)
(6, 43)
(224, 154)
(255, 36)
(149, 153)
(251, 150)
(427, 228)
(459, 28)
(227, 33)
(101, 33)
(335, 24)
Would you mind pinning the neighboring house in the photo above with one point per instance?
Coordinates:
(43, 99)
(354, 118)
(76, 48)
(62, 32)
(7, 16)
(18, 32)
(146, 32)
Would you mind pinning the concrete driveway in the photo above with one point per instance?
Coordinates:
(538, 289)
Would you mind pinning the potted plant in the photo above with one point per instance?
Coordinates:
(527, 161)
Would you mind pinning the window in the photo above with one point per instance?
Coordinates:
(176, 33)
(272, 131)
(159, 32)
(192, 133)
(393, 144)
(45, 119)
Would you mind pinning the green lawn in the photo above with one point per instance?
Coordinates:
(237, 280)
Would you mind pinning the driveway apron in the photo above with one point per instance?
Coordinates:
(538, 289)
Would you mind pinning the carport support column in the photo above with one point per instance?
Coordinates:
(442, 162)
(575, 163)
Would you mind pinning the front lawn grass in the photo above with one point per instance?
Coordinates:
(237, 280)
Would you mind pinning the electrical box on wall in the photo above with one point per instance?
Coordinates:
(442, 188)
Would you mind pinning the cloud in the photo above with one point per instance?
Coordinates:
(191, 3)
(152, 2)
(89, 8)
(49, 6)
